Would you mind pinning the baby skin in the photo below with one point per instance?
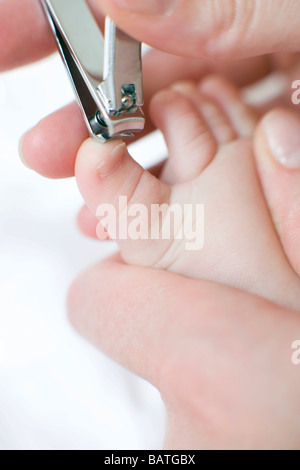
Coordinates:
(209, 133)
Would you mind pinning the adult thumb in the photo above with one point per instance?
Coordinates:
(219, 29)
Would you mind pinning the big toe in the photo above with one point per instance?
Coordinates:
(121, 194)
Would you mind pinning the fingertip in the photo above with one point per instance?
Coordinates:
(274, 175)
(279, 133)
(34, 153)
(50, 147)
(277, 144)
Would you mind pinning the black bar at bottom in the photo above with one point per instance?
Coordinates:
(139, 459)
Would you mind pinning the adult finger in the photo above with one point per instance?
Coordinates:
(24, 33)
(139, 316)
(277, 144)
(50, 148)
(222, 29)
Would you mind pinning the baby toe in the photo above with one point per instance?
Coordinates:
(123, 196)
(191, 144)
(242, 117)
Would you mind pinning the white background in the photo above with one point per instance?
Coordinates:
(56, 391)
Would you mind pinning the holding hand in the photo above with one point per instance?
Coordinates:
(222, 359)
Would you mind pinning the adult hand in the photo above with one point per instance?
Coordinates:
(222, 359)
(219, 29)
(248, 321)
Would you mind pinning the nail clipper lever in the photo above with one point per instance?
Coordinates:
(106, 73)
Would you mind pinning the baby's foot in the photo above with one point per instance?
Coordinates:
(211, 162)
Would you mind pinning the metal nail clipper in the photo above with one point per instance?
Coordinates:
(106, 73)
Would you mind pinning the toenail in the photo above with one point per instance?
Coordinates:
(112, 161)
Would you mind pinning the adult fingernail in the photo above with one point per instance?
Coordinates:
(282, 129)
(112, 161)
(150, 7)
